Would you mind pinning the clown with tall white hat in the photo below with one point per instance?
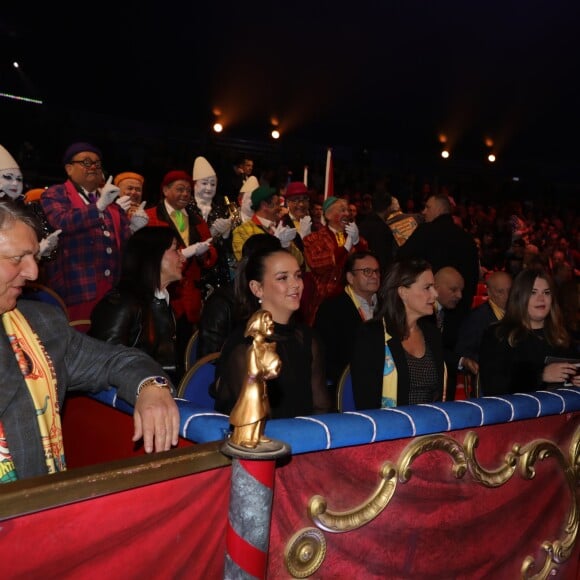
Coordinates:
(10, 176)
(11, 182)
(217, 216)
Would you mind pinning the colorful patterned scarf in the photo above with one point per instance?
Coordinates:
(40, 377)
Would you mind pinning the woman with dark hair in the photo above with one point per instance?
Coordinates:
(271, 279)
(514, 350)
(398, 355)
(137, 312)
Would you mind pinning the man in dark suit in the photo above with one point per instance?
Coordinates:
(443, 243)
(338, 318)
(474, 325)
(449, 285)
(42, 357)
(374, 229)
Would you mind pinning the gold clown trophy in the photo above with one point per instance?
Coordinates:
(249, 415)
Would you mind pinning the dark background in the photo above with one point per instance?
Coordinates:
(379, 82)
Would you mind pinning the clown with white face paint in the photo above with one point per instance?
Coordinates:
(214, 212)
(11, 182)
(10, 176)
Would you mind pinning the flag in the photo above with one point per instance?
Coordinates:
(329, 176)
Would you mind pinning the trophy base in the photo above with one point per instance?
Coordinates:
(272, 449)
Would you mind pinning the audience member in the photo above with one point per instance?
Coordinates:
(138, 312)
(480, 318)
(326, 252)
(272, 280)
(449, 286)
(338, 318)
(195, 245)
(514, 351)
(220, 313)
(377, 233)
(442, 243)
(397, 357)
(64, 360)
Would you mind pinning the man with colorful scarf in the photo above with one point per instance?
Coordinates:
(338, 318)
(42, 357)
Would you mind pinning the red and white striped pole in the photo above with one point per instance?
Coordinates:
(250, 511)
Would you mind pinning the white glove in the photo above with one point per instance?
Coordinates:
(139, 219)
(221, 227)
(196, 249)
(351, 230)
(305, 226)
(124, 202)
(49, 243)
(284, 234)
(108, 194)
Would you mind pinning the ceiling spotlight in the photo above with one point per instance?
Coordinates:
(491, 158)
(218, 127)
(275, 134)
(445, 154)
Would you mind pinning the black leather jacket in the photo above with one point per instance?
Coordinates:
(121, 318)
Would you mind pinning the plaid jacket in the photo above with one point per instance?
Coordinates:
(89, 247)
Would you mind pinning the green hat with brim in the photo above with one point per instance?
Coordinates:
(261, 194)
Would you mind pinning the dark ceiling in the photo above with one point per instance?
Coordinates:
(390, 74)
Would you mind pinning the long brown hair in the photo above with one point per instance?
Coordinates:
(402, 272)
(516, 324)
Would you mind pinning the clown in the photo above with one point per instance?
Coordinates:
(217, 216)
(10, 176)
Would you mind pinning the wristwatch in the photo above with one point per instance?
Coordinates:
(159, 382)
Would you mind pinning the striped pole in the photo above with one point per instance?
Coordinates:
(250, 511)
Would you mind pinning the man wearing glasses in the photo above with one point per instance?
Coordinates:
(94, 229)
(338, 318)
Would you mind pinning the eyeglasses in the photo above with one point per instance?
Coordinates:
(88, 163)
(368, 272)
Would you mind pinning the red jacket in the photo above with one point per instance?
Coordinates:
(185, 295)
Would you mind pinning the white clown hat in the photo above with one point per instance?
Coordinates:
(202, 169)
(7, 161)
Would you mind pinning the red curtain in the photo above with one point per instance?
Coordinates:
(435, 526)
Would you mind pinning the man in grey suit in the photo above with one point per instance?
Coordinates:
(42, 358)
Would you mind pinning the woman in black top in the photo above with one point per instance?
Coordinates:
(271, 279)
(514, 350)
(398, 355)
(137, 312)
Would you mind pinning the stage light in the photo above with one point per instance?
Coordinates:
(218, 127)
(15, 64)
(442, 138)
(491, 158)
(275, 134)
(445, 154)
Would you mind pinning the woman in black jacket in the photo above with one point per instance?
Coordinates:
(514, 352)
(137, 312)
(398, 355)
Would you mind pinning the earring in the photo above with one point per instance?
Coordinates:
(259, 301)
